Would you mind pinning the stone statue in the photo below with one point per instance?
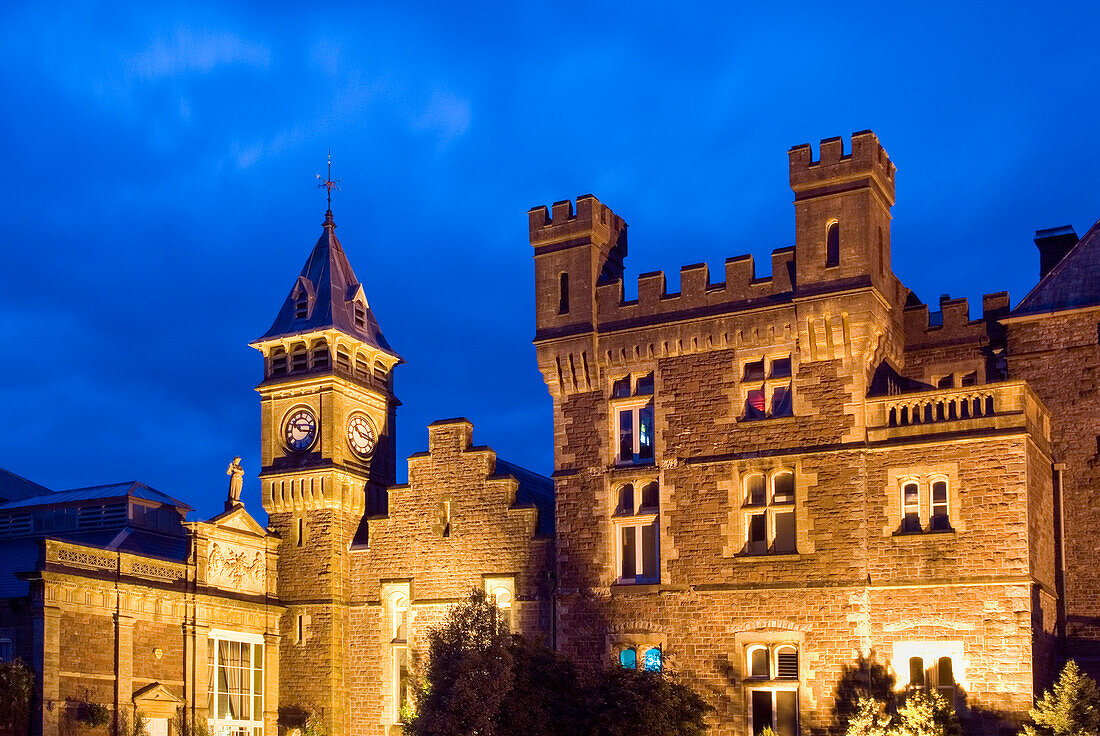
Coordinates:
(236, 480)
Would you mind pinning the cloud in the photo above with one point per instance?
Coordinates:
(187, 52)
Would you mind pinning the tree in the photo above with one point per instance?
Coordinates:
(869, 718)
(482, 680)
(921, 714)
(1071, 708)
(16, 687)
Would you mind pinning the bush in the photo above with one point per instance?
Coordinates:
(921, 714)
(16, 688)
(1071, 708)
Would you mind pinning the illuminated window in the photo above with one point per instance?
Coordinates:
(776, 709)
(235, 677)
(653, 659)
(910, 507)
(770, 517)
(759, 662)
(632, 410)
(941, 520)
(628, 658)
(766, 388)
(400, 618)
(916, 673)
(636, 522)
(502, 597)
(772, 679)
(832, 245)
(563, 294)
(402, 683)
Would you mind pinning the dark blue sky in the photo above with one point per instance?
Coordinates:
(160, 197)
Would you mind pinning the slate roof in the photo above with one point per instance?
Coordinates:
(94, 493)
(534, 489)
(332, 285)
(1073, 283)
(15, 487)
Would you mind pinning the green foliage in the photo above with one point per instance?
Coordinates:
(866, 678)
(195, 727)
(16, 688)
(93, 715)
(301, 720)
(127, 726)
(482, 680)
(1071, 708)
(921, 714)
(766, 731)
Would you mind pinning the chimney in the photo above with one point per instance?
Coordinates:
(1053, 244)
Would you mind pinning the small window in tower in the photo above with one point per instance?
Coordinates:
(910, 508)
(299, 359)
(321, 357)
(343, 360)
(650, 497)
(381, 376)
(563, 294)
(362, 366)
(941, 520)
(301, 532)
(360, 315)
(301, 306)
(625, 506)
(832, 245)
(754, 371)
(621, 388)
(278, 362)
(644, 385)
(969, 379)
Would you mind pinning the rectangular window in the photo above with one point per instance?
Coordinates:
(775, 709)
(636, 524)
(635, 433)
(770, 521)
(784, 533)
(766, 388)
(910, 508)
(402, 683)
(940, 516)
(235, 683)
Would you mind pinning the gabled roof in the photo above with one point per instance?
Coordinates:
(94, 493)
(1073, 283)
(330, 285)
(15, 487)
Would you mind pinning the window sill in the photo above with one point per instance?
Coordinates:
(772, 556)
(921, 534)
(766, 420)
(620, 588)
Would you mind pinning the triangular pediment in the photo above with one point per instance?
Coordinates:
(156, 693)
(239, 520)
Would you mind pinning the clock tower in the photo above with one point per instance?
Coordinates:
(327, 430)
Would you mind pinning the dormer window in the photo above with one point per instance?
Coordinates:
(360, 315)
(301, 306)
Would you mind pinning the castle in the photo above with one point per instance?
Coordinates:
(761, 484)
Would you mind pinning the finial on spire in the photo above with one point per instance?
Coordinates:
(329, 184)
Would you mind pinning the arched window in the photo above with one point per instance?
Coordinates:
(278, 362)
(650, 497)
(503, 599)
(910, 507)
(758, 662)
(653, 659)
(381, 376)
(628, 658)
(832, 245)
(625, 506)
(916, 672)
(786, 663)
(299, 359)
(362, 366)
(755, 490)
(945, 679)
(563, 294)
(321, 357)
(400, 618)
(783, 488)
(941, 519)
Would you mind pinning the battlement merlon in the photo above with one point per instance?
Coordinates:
(591, 218)
(836, 171)
(955, 322)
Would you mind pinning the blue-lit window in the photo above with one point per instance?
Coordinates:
(628, 658)
(653, 660)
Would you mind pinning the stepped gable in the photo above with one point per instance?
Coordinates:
(1073, 283)
(331, 289)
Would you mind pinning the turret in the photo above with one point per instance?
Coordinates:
(842, 207)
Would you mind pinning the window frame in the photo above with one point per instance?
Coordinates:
(635, 404)
(770, 510)
(638, 518)
(768, 383)
(255, 724)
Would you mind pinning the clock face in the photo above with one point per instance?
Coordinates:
(301, 430)
(361, 435)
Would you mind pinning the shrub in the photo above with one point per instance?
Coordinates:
(1070, 708)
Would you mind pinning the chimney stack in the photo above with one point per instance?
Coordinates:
(1053, 244)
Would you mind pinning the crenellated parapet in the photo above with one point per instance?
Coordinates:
(834, 169)
(952, 322)
(741, 289)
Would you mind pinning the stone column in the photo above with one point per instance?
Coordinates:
(124, 663)
(197, 683)
(47, 662)
(271, 683)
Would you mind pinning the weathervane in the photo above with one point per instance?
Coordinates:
(329, 184)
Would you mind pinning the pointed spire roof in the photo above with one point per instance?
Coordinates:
(330, 290)
(1073, 283)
